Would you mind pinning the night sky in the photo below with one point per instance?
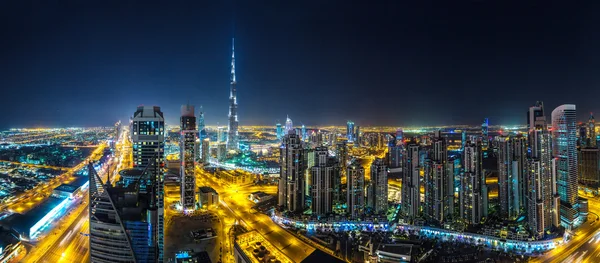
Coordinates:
(401, 63)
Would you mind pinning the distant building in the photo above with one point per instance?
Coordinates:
(512, 161)
(279, 131)
(591, 131)
(221, 151)
(357, 136)
(325, 182)
(207, 197)
(233, 143)
(289, 125)
(71, 189)
(485, 139)
(350, 131)
(187, 154)
(205, 150)
(292, 173)
(355, 180)
(589, 167)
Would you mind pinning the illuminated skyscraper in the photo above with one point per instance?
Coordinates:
(350, 131)
(289, 125)
(378, 187)
(591, 131)
(485, 140)
(535, 209)
(148, 138)
(564, 147)
(540, 149)
(233, 143)
(221, 136)
(292, 173)
(411, 196)
(355, 181)
(279, 131)
(186, 155)
(512, 163)
(304, 136)
(201, 126)
(463, 141)
(439, 184)
(325, 182)
(473, 191)
(205, 150)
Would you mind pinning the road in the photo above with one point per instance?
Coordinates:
(234, 199)
(68, 241)
(584, 246)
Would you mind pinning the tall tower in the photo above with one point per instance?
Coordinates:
(350, 131)
(591, 131)
(564, 148)
(289, 125)
(291, 179)
(378, 188)
(473, 192)
(411, 196)
(355, 182)
(233, 143)
(148, 138)
(279, 131)
(485, 140)
(187, 153)
(325, 182)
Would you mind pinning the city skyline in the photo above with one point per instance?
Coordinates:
(164, 50)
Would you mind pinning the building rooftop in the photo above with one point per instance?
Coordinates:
(66, 188)
(206, 189)
(23, 222)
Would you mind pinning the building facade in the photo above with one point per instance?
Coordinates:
(187, 153)
(233, 143)
(355, 180)
(292, 173)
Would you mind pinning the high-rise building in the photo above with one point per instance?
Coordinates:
(540, 149)
(473, 190)
(357, 136)
(148, 139)
(512, 161)
(485, 139)
(201, 126)
(463, 141)
(233, 143)
(187, 153)
(304, 136)
(221, 135)
(564, 147)
(394, 157)
(411, 196)
(205, 150)
(325, 182)
(120, 231)
(350, 131)
(439, 184)
(355, 181)
(341, 152)
(378, 187)
(279, 131)
(589, 167)
(292, 173)
(591, 131)
(289, 125)
(535, 208)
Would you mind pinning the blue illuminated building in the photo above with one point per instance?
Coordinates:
(350, 131)
(30, 224)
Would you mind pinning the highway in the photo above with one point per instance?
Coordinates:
(234, 199)
(68, 241)
(584, 245)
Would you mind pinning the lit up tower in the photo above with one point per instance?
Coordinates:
(233, 143)
(591, 131)
(350, 131)
(540, 150)
(292, 173)
(355, 181)
(325, 182)
(304, 136)
(201, 126)
(439, 184)
(564, 147)
(411, 196)
(187, 152)
(473, 191)
(485, 140)
(289, 125)
(378, 187)
(279, 131)
(511, 175)
(148, 139)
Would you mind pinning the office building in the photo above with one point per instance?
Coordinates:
(535, 208)
(207, 197)
(589, 167)
(591, 131)
(292, 173)
(148, 139)
(123, 224)
(378, 188)
(411, 196)
(187, 153)
(325, 182)
(233, 143)
(355, 191)
(485, 139)
(221, 135)
(394, 157)
(564, 148)
(304, 136)
(438, 182)
(512, 161)
(341, 152)
(279, 131)
(205, 150)
(473, 190)
(540, 149)
(350, 131)
(289, 125)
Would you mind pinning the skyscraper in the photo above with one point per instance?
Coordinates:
(473, 191)
(355, 181)
(564, 148)
(233, 143)
(411, 196)
(123, 226)
(591, 131)
(186, 155)
(439, 184)
(292, 172)
(511, 175)
(341, 152)
(540, 149)
(350, 131)
(357, 136)
(485, 140)
(289, 125)
(201, 127)
(221, 136)
(279, 131)
(148, 139)
(589, 167)
(304, 136)
(325, 181)
(378, 187)
(535, 209)
(205, 150)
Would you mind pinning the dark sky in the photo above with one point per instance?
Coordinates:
(84, 63)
